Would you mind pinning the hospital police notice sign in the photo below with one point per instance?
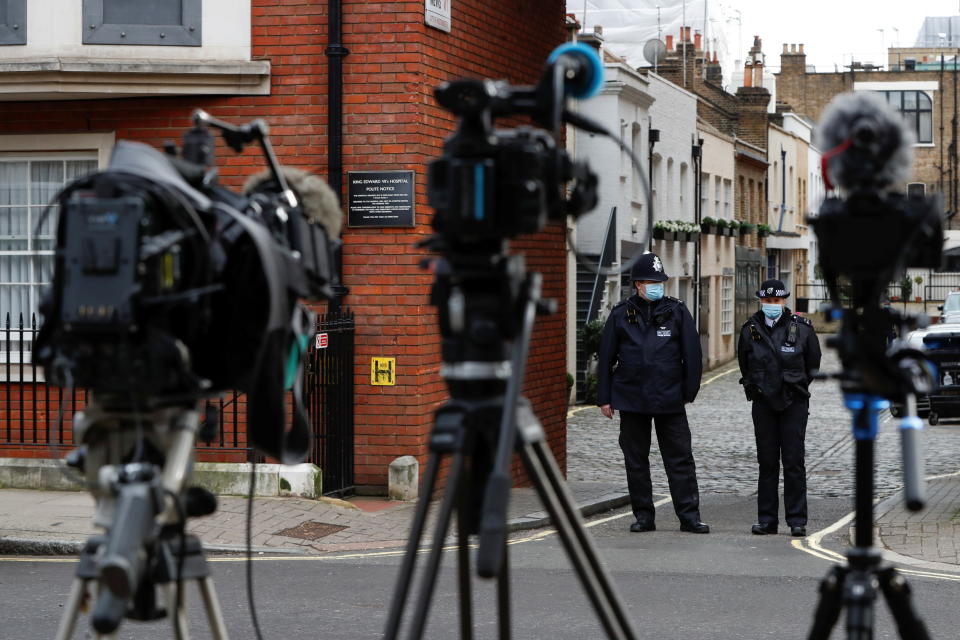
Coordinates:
(380, 198)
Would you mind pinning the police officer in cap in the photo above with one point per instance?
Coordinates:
(649, 369)
(778, 352)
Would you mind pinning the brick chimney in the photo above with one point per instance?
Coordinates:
(697, 41)
(753, 98)
(670, 42)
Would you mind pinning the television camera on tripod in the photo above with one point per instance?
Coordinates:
(160, 275)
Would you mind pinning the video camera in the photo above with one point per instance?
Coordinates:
(494, 184)
(867, 235)
(168, 287)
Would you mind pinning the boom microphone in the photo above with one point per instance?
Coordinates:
(320, 204)
(867, 146)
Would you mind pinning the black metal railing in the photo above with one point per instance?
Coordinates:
(35, 415)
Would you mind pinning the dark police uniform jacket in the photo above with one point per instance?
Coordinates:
(776, 362)
(649, 360)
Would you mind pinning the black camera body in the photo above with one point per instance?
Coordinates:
(494, 184)
(168, 287)
(866, 234)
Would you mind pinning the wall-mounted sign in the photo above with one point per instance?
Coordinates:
(380, 198)
(383, 371)
(436, 14)
(321, 341)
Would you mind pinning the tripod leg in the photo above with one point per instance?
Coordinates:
(897, 593)
(68, 621)
(436, 547)
(503, 594)
(211, 604)
(560, 505)
(177, 611)
(405, 577)
(828, 608)
(463, 568)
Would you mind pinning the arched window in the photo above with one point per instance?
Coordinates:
(917, 110)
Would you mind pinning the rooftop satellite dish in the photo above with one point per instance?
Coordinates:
(655, 51)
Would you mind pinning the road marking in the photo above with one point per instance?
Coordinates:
(721, 374)
(812, 546)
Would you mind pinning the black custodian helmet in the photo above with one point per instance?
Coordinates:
(648, 267)
(773, 289)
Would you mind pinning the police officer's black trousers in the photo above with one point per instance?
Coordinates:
(673, 437)
(780, 436)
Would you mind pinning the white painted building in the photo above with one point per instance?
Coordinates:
(717, 253)
(674, 114)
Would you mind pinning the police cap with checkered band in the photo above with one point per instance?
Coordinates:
(649, 268)
(773, 289)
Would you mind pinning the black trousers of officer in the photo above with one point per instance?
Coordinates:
(673, 437)
(780, 436)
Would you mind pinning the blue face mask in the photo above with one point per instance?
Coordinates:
(653, 291)
(772, 311)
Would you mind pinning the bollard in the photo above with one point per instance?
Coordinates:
(404, 478)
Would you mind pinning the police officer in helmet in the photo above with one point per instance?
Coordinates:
(649, 368)
(778, 352)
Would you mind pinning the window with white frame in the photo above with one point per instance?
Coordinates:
(716, 196)
(726, 306)
(28, 182)
(704, 194)
(727, 198)
(33, 168)
(917, 109)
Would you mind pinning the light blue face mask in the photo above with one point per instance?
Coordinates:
(653, 291)
(772, 311)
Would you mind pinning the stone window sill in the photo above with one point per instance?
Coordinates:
(77, 78)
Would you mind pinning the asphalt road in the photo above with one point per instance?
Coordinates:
(725, 585)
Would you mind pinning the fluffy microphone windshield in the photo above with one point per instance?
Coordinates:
(865, 143)
(320, 204)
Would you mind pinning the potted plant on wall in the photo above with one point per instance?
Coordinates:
(660, 230)
(708, 225)
(763, 230)
(693, 231)
(919, 281)
(734, 228)
(722, 226)
(747, 228)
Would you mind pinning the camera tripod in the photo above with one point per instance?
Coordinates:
(855, 586)
(143, 505)
(466, 430)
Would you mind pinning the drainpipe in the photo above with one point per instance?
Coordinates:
(783, 188)
(697, 152)
(653, 138)
(336, 52)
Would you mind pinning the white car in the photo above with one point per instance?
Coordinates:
(950, 309)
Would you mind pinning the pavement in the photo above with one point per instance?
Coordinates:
(58, 522)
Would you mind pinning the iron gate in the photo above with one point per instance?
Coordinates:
(747, 284)
(328, 395)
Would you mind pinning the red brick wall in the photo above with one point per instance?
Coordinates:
(391, 122)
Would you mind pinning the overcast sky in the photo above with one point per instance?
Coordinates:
(833, 31)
